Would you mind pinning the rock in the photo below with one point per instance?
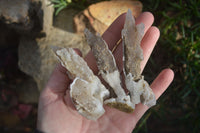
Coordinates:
(64, 20)
(35, 55)
(99, 16)
(45, 14)
(81, 22)
(87, 91)
(107, 11)
(26, 17)
(16, 12)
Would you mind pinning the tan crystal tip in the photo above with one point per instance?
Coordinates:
(88, 93)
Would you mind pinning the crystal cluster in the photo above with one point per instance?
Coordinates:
(87, 91)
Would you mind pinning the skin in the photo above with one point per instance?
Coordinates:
(56, 113)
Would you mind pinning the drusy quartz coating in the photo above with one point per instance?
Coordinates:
(87, 91)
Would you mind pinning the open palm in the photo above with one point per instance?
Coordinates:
(56, 113)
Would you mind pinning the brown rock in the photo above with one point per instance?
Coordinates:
(99, 16)
(81, 21)
(107, 11)
(64, 20)
(35, 55)
(14, 11)
(97, 25)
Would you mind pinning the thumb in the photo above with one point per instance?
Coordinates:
(59, 81)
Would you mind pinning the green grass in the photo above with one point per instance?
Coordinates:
(179, 24)
(59, 5)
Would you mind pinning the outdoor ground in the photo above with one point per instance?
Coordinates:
(178, 110)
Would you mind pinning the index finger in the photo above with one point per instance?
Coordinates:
(113, 34)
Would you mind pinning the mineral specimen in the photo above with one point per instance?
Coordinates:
(88, 93)
(133, 55)
(86, 90)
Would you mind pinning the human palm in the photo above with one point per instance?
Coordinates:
(57, 114)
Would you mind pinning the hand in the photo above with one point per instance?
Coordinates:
(57, 114)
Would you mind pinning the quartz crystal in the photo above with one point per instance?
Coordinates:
(87, 91)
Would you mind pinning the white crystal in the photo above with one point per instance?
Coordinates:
(86, 90)
(88, 93)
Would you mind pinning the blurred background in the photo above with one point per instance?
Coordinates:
(28, 27)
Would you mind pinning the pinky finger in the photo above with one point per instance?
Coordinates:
(162, 81)
(158, 86)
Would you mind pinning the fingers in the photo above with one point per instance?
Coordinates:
(148, 43)
(158, 86)
(147, 19)
(113, 34)
(162, 81)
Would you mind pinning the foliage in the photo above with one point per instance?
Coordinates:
(59, 5)
(179, 25)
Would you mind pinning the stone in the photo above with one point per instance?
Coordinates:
(20, 15)
(99, 16)
(106, 61)
(35, 55)
(86, 90)
(109, 71)
(45, 14)
(64, 20)
(27, 17)
(132, 34)
(32, 21)
(106, 12)
(81, 21)
(15, 11)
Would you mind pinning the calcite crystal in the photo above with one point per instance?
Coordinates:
(86, 90)
(89, 94)
(133, 55)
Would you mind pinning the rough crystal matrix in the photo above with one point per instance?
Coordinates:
(88, 93)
